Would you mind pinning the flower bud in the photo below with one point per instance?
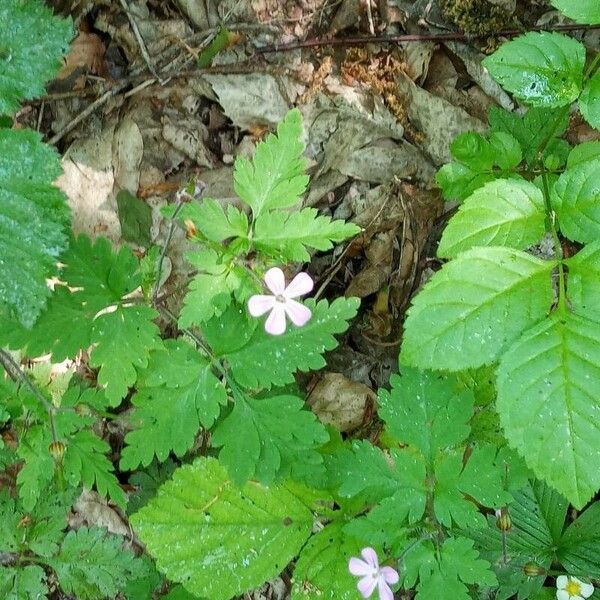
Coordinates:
(503, 520)
(532, 570)
(57, 450)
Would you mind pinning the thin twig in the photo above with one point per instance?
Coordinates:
(87, 112)
(140, 40)
(411, 37)
(16, 373)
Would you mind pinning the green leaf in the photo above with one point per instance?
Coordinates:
(32, 43)
(366, 471)
(505, 212)
(321, 572)
(85, 462)
(584, 280)
(547, 401)
(263, 438)
(583, 153)
(124, 339)
(242, 537)
(444, 577)
(168, 418)
(38, 470)
(537, 516)
(104, 276)
(576, 200)
(147, 482)
(426, 410)
(533, 130)
(582, 11)
(92, 564)
(542, 69)
(268, 360)
(480, 479)
(475, 307)
(286, 236)
(135, 217)
(589, 101)
(24, 583)
(275, 178)
(179, 395)
(209, 292)
(579, 547)
(34, 220)
(460, 181)
(211, 221)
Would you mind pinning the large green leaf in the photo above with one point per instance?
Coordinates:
(219, 540)
(548, 402)
(589, 101)
(505, 212)
(576, 200)
(23, 583)
(542, 69)
(582, 11)
(579, 547)
(268, 360)
(32, 42)
(474, 307)
(34, 220)
(584, 280)
(275, 178)
(321, 572)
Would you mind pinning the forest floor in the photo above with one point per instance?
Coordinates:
(131, 111)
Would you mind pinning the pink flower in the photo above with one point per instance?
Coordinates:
(280, 303)
(372, 575)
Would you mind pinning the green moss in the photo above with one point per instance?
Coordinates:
(478, 17)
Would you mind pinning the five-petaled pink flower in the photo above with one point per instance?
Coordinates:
(281, 303)
(372, 575)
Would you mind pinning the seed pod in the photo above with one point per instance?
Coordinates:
(532, 570)
(57, 450)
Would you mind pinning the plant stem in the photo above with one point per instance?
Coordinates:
(551, 226)
(16, 373)
(163, 252)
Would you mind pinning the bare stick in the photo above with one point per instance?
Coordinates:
(411, 37)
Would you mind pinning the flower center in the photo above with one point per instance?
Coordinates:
(573, 588)
(280, 298)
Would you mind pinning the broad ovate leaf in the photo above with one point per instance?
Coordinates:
(34, 221)
(548, 402)
(275, 177)
(589, 101)
(505, 212)
(32, 43)
(579, 547)
(475, 307)
(582, 11)
(584, 280)
(219, 540)
(540, 68)
(576, 199)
